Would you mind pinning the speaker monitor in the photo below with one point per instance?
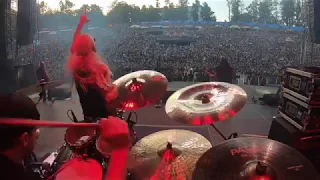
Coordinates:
(315, 21)
(24, 25)
(308, 144)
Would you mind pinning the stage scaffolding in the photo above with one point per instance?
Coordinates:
(10, 31)
(307, 48)
(11, 22)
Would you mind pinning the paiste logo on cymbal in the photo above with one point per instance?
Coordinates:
(246, 151)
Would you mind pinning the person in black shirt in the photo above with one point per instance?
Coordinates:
(91, 76)
(17, 143)
(224, 72)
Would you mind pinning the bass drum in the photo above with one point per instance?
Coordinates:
(80, 169)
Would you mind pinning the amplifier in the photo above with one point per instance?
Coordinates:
(302, 83)
(303, 116)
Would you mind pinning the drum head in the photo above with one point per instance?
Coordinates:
(79, 169)
(78, 135)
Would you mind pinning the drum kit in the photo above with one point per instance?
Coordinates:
(176, 154)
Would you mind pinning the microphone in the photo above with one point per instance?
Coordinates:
(74, 117)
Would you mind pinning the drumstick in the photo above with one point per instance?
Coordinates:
(43, 123)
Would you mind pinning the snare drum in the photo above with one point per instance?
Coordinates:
(80, 169)
(77, 138)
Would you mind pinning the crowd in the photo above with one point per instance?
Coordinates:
(251, 52)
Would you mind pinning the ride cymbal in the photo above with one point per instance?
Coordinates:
(205, 103)
(166, 155)
(253, 159)
(37, 88)
(140, 88)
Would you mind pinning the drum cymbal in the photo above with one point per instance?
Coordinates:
(37, 88)
(153, 158)
(140, 88)
(205, 103)
(253, 159)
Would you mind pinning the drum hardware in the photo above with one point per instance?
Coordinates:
(206, 103)
(253, 158)
(166, 153)
(140, 89)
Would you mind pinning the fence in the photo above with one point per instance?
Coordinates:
(259, 80)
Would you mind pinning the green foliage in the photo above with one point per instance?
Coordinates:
(287, 12)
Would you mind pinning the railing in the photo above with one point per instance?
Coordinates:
(259, 80)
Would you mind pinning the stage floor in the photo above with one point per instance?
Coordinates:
(252, 119)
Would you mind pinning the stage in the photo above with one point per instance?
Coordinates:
(252, 119)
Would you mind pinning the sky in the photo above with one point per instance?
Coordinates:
(218, 6)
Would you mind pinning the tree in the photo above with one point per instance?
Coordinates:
(182, 10)
(229, 9)
(298, 13)
(195, 10)
(157, 4)
(288, 11)
(265, 11)
(206, 13)
(235, 10)
(253, 11)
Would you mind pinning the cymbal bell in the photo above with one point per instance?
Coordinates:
(37, 88)
(169, 154)
(140, 89)
(205, 103)
(253, 159)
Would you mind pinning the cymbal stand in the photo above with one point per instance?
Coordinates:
(218, 131)
(231, 136)
(205, 100)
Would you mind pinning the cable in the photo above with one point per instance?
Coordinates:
(74, 118)
(69, 115)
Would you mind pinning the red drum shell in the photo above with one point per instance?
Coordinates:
(79, 169)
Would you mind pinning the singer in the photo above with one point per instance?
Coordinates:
(91, 76)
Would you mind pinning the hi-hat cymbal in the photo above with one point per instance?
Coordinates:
(140, 88)
(253, 159)
(205, 103)
(153, 158)
(37, 88)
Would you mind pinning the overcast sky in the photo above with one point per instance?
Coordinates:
(218, 6)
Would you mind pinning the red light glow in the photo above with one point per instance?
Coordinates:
(130, 105)
(134, 87)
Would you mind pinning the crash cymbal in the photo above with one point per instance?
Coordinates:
(205, 103)
(153, 158)
(37, 88)
(253, 159)
(140, 88)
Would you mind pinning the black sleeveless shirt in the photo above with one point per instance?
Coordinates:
(93, 102)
